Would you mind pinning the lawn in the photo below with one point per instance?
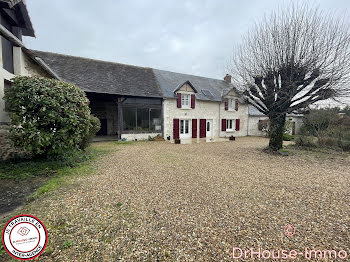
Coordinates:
(150, 201)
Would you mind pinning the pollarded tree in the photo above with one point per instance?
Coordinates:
(292, 59)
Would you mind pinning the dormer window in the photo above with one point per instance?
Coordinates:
(231, 104)
(185, 101)
(185, 95)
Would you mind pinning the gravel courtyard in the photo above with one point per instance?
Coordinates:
(155, 201)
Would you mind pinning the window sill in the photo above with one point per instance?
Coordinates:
(186, 108)
(230, 131)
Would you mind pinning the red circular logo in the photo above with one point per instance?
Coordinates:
(24, 237)
(289, 230)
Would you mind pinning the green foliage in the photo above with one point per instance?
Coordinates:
(67, 244)
(287, 137)
(330, 127)
(94, 128)
(48, 117)
(305, 141)
(33, 168)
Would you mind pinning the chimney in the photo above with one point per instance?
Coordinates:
(227, 78)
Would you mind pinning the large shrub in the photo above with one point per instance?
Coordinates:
(48, 117)
(95, 127)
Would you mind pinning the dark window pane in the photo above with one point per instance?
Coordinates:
(129, 118)
(7, 55)
(143, 119)
(156, 120)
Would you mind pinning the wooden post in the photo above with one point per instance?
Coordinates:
(120, 117)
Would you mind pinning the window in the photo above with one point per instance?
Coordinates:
(142, 119)
(156, 120)
(129, 118)
(184, 126)
(231, 104)
(208, 126)
(185, 101)
(230, 124)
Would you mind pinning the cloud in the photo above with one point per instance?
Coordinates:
(188, 36)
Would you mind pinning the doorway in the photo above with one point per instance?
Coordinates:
(209, 128)
(185, 128)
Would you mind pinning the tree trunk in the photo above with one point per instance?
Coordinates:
(277, 122)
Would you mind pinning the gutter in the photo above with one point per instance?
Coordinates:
(46, 67)
(11, 37)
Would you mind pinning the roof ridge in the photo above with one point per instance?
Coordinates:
(90, 59)
(110, 62)
(190, 75)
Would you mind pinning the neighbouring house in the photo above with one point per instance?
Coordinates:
(15, 59)
(258, 123)
(131, 102)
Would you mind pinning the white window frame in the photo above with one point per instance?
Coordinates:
(231, 104)
(185, 101)
(184, 126)
(230, 127)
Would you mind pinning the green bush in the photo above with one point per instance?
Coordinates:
(305, 141)
(287, 137)
(49, 118)
(94, 128)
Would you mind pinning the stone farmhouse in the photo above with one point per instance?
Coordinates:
(131, 102)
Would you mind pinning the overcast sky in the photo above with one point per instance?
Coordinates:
(187, 36)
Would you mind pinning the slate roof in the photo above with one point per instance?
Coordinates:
(169, 81)
(102, 77)
(21, 11)
(120, 79)
(252, 111)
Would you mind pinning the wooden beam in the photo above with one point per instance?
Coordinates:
(120, 117)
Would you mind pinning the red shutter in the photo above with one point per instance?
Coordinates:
(193, 101)
(223, 125)
(236, 105)
(237, 124)
(226, 104)
(176, 133)
(178, 100)
(194, 128)
(202, 126)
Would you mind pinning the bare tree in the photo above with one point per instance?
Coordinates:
(292, 59)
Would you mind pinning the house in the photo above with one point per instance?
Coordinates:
(258, 123)
(137, 102)
(15, 59)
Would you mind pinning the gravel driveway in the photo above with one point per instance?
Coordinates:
(155, 201)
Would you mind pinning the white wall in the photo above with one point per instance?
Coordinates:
(253, 123)
(241, 114)
(23, 65)
(204, 110)
(253, 129)
(143, 136)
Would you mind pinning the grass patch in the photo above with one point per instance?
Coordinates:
(59, 171)
(32, 168)
(67, 244)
